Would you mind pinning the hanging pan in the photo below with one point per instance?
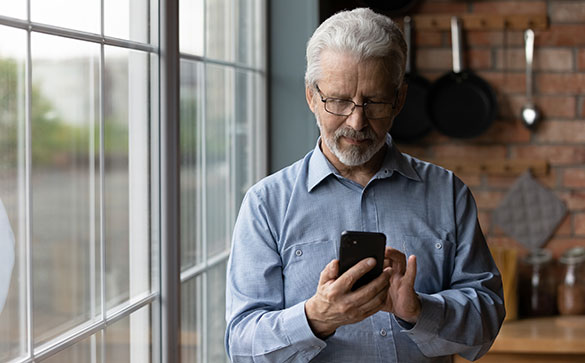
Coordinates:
(460, 103)
(413, 121)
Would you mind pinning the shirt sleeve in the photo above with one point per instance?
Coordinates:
(465, 318)
(259, 327)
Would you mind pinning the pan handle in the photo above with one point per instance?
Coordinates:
(408, 39)
(529, 43)
(456, 44)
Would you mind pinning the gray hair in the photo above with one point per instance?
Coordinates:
(362, 33)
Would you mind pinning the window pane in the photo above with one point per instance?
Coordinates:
(216, 313)
(191, 319)
(75, 14)
(126, 117)
(130, 340)
(127, 19)
(191, 105)
(79, 352)
(220, 29)
(191, 26)
(12, 192)
(242, 138)
(13, 8)
(219, 116)
(64, 184)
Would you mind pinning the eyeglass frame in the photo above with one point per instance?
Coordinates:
(363, 105)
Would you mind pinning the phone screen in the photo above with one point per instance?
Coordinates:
(355, 246)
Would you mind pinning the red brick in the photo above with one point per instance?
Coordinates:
(579, 221)
(560, 83)
(559, 245)
(505, 82)
(488, 199)
(471, 180)
(504, 132)
(565, 228)
(451, 8)
(554, 154)
(567, 12)
(477, 59)
(427, 39)
(417, 151)
(484, 221)
(581, 60)
(574, 199)
(574, 177)
(510, 7)
(582, 113)
(546, 59)
(434, 59)
(567, 132)
(495, 38)
(561, 35)
(506, 181)
(478, 152)
(550, 106)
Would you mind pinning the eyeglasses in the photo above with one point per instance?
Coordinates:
(372, 110)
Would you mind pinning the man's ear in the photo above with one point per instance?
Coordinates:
(310, 95)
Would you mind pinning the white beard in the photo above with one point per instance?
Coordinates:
(353, 155)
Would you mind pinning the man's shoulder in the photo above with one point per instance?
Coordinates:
(430, 172)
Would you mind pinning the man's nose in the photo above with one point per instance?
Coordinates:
(357, 120)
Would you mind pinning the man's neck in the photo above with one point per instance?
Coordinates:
(361, 174)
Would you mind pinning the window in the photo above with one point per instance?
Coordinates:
(223, 76)
(80, 170)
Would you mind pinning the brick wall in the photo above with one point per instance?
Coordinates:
(498, 57)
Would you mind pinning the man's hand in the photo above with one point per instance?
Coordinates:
(402, 300)
(334, 304)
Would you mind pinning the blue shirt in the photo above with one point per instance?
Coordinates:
(288, 230)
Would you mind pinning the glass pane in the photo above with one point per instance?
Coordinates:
(83, 351)
(127, 19)
(13, 8)
(130, 340)
(216, 313)
(219, 116)
(191, 319)
(191, 107)
(12, 192)
(242, 138)
(126, 211)
(220, 30)
(75, 14)
(191, 26)
(65, 207)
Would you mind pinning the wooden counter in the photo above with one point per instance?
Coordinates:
(551, 339)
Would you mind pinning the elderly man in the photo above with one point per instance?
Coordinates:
(286, 301)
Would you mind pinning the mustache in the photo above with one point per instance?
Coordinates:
(366, 134)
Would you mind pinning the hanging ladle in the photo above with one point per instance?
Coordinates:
(530, 114)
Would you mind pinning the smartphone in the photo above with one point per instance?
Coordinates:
(355, 246)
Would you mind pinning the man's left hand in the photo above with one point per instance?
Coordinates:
(402, 300)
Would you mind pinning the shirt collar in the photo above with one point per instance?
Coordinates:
(320, 168)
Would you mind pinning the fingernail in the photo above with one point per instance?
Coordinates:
(371, 262)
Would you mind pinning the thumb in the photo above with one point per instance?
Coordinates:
(410, 274)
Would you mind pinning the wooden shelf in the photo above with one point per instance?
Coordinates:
(482, 22)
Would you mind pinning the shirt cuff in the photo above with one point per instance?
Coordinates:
(430, 319)
(299, 332)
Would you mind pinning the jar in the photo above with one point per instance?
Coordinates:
(571, 290)
(537, 284)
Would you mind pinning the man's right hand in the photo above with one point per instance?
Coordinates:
(334, 304)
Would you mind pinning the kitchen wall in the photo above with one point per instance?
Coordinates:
(498, 56)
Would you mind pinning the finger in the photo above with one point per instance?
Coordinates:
(348, 278)
(410, 274)
(397, 260)
(369, 291)
(329, 272)
(375, 304)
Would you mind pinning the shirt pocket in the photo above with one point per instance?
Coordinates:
(302, 266)
(433, 262)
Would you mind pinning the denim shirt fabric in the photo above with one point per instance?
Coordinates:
(288, 230)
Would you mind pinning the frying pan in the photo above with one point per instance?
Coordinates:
(392, 7)
(460, 103)
(413, 121)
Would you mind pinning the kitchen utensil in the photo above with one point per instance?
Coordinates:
(529, 212)
(460, 103)
(413, 121)
(530, 114)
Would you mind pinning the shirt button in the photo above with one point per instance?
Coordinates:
(438, 245)
(383, 332)
(299, 253)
